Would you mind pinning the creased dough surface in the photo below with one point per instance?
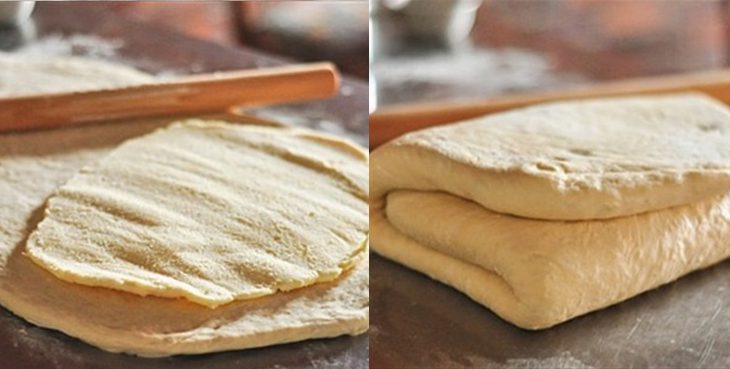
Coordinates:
(431, 188)
(211, 212)
(34, 164)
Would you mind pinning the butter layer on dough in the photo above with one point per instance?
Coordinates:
(592, 159)
(210, 212)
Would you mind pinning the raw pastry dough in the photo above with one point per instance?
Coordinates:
(211, 212)
(430, 191)
(593, 159)
(34, 164)
(20, 75)
(537, 273)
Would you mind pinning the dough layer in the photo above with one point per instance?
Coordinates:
(592, 159)
(537, 273)
(31, 74)
(211, 212)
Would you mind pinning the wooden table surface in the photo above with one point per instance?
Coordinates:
(155, 49)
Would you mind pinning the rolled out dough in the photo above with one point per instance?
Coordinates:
(432, 192)
(211, 212)
(33, 165)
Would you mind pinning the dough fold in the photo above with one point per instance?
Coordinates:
(430, 192)
(584, 160)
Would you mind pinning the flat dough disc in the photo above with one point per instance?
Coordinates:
(211, 212)
(582, 160)
(34, 164)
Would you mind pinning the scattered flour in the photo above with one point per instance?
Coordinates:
(468, 73)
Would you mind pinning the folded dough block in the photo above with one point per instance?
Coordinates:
(547, 213)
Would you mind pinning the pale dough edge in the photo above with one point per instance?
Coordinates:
(350, 322)
(72, 276)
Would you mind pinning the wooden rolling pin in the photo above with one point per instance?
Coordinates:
(391, 122)
(199, 94)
